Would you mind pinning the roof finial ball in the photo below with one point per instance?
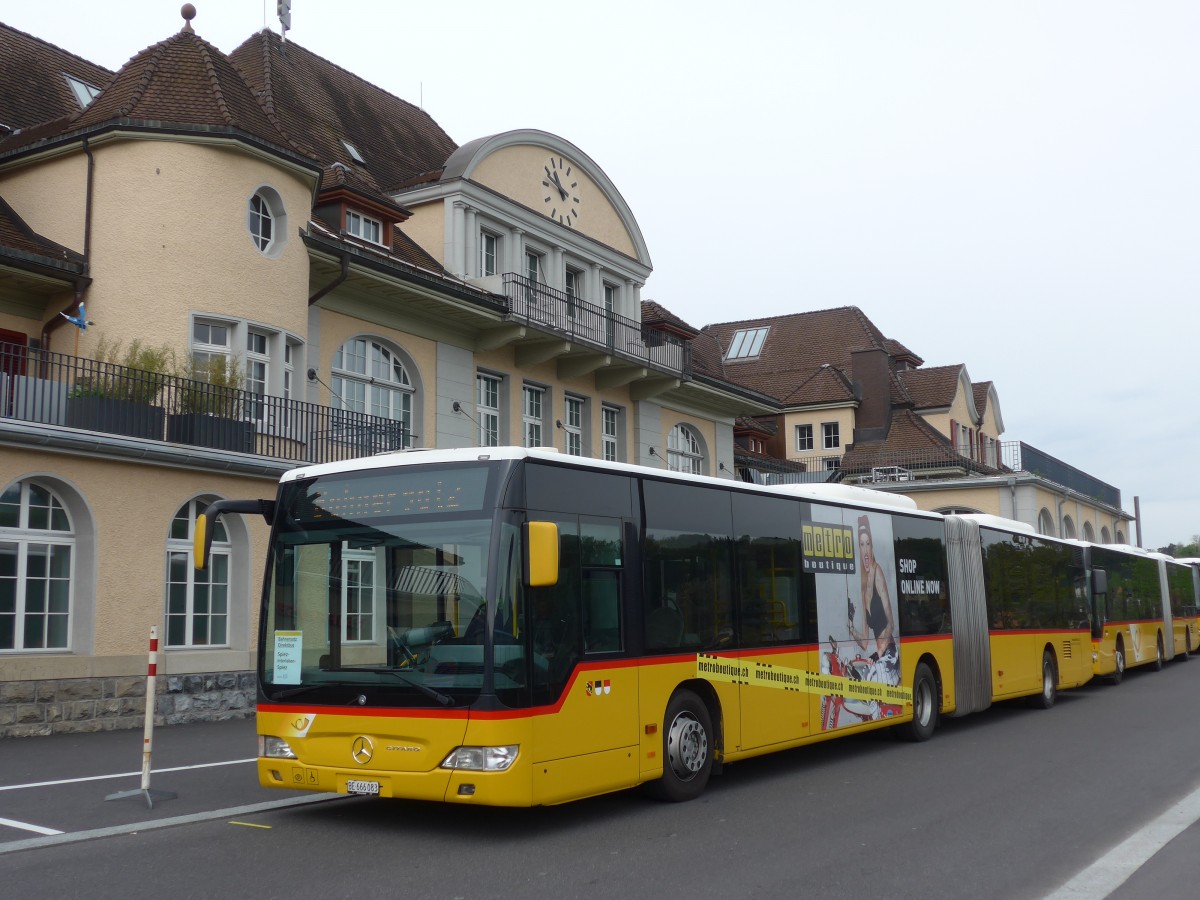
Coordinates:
(188, 12)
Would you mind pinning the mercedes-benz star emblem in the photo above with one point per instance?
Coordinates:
(362, 750)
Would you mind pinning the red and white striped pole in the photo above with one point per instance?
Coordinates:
(151, 695)
(148, 730)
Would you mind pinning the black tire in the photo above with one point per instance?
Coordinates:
(1158, 656)
(925, 707)
(688, 748)
(1045, 698)
(1119, 653)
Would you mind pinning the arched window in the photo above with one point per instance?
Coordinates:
(1045, 523)
(197, 602)
(683, 451)
(37, 548)
(1089, 533)
(1121, 537)
(1105, 537)
(369, 378)
(1068, 527)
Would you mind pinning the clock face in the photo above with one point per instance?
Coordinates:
(560, 188)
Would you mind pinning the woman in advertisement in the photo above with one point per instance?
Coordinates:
(877, 618)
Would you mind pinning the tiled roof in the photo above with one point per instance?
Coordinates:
(33, 73)
(321, 105)
(909, 434)
(932, 388)
(16, 236)
(184, 80)
(796, 346)
(980, 391)
(654, 313)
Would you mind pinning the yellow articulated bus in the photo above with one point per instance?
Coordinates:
(1132, 617)
(502, 626)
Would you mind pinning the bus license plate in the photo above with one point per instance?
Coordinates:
(362, 787)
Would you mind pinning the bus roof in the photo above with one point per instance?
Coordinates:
(987, 520)
(845, 494)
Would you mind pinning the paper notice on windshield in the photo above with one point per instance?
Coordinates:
(288, 645)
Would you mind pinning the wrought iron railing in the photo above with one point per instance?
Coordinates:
(56, 389)
(586, 323)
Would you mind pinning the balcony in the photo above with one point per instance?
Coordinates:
(592, 326)
(77, 394)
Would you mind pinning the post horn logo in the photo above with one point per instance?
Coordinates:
(362, 750)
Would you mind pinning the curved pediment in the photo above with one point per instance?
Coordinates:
(553, 177)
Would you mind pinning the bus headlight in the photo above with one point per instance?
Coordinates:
(481, 759)
(274, 748)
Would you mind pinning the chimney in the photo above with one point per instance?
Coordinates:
(872, 378)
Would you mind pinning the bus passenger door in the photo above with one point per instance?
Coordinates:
(586, 731)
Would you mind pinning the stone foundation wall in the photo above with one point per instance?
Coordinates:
(73, 705)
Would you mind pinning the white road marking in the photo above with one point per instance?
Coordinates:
(53, 840)
(1115, 867)
(25, 826)
(35, 784)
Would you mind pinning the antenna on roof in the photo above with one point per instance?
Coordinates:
(284, 8)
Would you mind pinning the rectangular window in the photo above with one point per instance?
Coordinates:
(533, 268)
(210, 347)
(573, 426)
(804, 437)
(358, 595)
(831, 437)
(609, 444)
(362, 227)
(487, 407)
(531, 415)
(489, 246)
(257, 360)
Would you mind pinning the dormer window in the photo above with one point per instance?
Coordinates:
(85, 93)
(362, 227)
(353, 151)
(746, 343)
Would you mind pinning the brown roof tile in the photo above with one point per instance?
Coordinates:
(35, 89)
(322, 105)
(16, 236)
(933, 388)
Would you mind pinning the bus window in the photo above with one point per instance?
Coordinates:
(687, 567)
(601, 559)
(770, 570)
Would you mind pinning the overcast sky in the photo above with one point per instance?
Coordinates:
(1010, 185)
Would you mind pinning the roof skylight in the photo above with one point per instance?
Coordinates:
(746, 343)
(353, 151)
(85, 93)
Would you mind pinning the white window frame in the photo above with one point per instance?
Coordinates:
(372, 591)
(364, 227)
(610, 433)
(374, 388)
(221, 557)
(489, 253)
(747, 343)
(683, 451)
(266, 220)
(51, 540)
(804, 436)
(487, 408)
(533, 407)
(573, 418)
(831, 435)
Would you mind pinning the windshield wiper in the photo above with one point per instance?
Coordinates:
(292, 692)
(425, 689)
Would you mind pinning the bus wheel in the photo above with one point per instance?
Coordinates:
(1158, 655)
(1119, 658)
(687, 750)
(925, 707)
(1049, 693)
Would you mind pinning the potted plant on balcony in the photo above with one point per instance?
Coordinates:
(208, 407)
(115, 392)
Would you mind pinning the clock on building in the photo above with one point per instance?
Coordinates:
(561, 188)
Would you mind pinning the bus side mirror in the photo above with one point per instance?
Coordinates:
(541, 554)
(207, 520)
(1099, 581)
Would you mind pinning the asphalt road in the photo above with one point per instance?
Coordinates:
(1011, 803)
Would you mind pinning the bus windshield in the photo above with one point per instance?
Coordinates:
(378, 589)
